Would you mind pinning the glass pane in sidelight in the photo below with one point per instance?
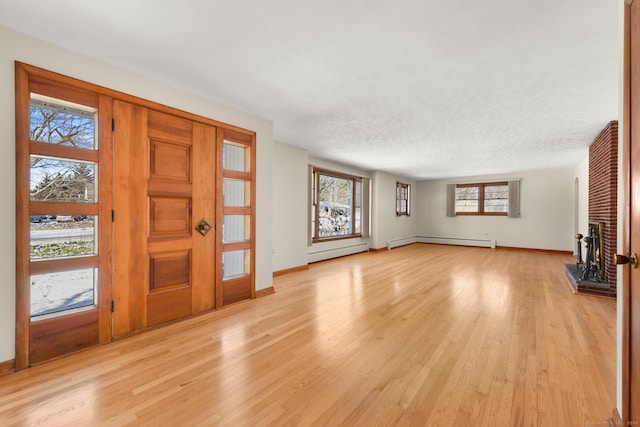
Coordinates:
(235, 264)
(234, 157)
(236, 228)
(60, 180)
(59, 236)
(62, 123)
(236, 192)
(62, 291)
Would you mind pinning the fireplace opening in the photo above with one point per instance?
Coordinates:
(593, 265)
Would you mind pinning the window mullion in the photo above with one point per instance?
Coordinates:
(316, 195)
(353, 206)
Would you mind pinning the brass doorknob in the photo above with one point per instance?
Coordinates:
(203, 227)
(631, 259)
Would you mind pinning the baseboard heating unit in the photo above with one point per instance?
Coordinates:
(337, 252)
(485, 243)
(400, 242)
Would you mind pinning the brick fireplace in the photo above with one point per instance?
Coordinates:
(603, 187)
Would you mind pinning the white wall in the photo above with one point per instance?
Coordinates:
(546, 206)
(385, 224)
(15, 46)
(581, 173)
(290, 206)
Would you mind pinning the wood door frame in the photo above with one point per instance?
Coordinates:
(621, 415)
(32, 70)
(22, 232)
(23, 73)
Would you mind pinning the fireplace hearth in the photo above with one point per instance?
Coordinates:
(588, 275)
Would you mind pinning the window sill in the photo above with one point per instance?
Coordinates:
(481, 214)
(334, 238)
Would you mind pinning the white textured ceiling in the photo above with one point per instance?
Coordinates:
(419, 88)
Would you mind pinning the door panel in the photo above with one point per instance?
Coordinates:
(169, 216)
(204, 207)
(169, 270)
(170, 196)
(164, 306)
(164, 262)
(170, 161)
(130, 218)
(56, 337)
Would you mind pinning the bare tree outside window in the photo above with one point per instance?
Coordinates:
(337, 205)
(60, 125)
(58, 179)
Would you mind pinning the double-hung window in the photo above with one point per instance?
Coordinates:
(482, 199)
(403, 198)
(339, 205)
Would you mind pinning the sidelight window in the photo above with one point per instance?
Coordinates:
(238, 214)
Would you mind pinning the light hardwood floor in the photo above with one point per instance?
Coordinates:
(422, 335)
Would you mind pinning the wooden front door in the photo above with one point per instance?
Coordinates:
(630, 295)
(164, 217)
(129, 214)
